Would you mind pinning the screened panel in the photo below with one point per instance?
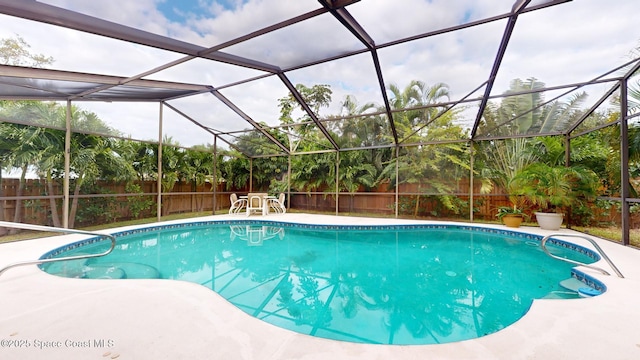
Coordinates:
(434, 71)
(562, 41)
(535, 111)
(303, 137)
(352, 83)
(126, 92)
(633, 94)
(202, 23)
(464, 116)
(313, 182)
(497, 163)
(37, 88)
(180, 130)
(130, 120)
(264, 108)
(270, 174)
(299, 43)
(205, 72)
(597, 152)
(365, 182)
(210, 112)
(360, 131)
(36, 211)
(106, 55)
(48, 114)
(422, 125)
(606, 113)
(252, 143)
(422, 16)
(450, 66)
(434, 180)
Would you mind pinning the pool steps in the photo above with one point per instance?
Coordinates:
(119, 270)
(579, 287)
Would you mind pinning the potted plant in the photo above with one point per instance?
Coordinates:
(554, 189)
(511, 216)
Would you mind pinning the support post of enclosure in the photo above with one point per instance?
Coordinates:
(250, 174)
(567, 163)
(159, 181)
(289, 181)
(337, 178)
(214, 179)
(471, 154)
(624, 161)
(67, 168)
(397, 178)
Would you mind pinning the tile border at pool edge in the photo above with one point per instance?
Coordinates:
(579, 275)
(583, 250)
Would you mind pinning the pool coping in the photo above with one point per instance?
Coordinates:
(171, 319)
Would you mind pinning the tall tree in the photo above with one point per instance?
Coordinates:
(302, 128)
(15, 51)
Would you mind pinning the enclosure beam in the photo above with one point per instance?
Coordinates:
(517, 8)
(67, 167)
(303, 104)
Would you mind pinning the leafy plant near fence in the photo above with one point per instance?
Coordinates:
(96, 210)
(139, 205)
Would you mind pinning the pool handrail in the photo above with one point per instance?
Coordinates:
(57, 230)
(598, 249)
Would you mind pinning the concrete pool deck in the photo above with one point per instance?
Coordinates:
(49, 317)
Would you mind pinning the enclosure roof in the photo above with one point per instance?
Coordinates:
(224, 69)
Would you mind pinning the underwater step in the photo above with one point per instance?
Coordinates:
(103, 272)
(561, 295)
(136, 270)
(572, 284)
(582, 289)
(68, 268)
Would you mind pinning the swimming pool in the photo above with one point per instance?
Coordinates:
(418, 284)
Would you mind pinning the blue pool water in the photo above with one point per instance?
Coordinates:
(387, 285)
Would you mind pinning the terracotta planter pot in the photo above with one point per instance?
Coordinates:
(512, 220)
(549, 221)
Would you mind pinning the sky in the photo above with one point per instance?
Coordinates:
(572, 42)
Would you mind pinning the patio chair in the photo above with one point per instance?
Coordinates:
(256, 203)
(236, 204)
(277, 204)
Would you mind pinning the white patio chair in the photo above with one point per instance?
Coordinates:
(277, 204)
(256, 203)
(236, 204)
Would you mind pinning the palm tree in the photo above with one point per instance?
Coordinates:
(19, 150)
(411, 100)
(199, 167)
(422, 121)
(523, 113)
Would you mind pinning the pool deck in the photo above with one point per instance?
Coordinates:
(49, 317)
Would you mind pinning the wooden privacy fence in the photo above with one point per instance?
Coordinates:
(110, 202)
